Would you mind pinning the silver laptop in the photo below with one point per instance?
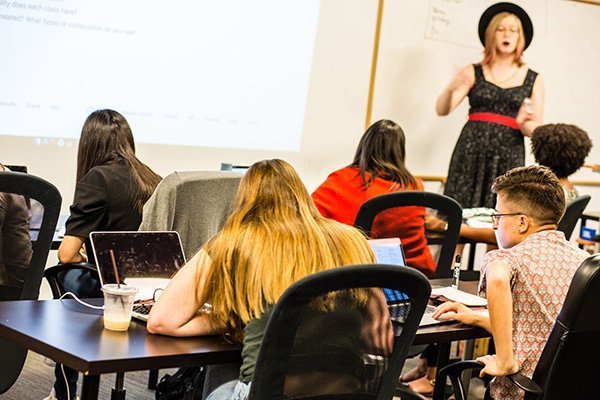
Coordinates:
(389, 251)
(146, 260)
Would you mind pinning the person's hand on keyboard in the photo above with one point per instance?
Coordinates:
(456, 312)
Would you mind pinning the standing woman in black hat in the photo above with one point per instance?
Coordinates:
(506, 103)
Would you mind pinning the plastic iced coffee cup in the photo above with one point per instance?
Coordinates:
(118, 304)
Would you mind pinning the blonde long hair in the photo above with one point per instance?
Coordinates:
(274, 237)
(490, 51)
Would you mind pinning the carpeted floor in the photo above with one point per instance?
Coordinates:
(37, 378)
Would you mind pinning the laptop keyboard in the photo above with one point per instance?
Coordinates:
(143, 308)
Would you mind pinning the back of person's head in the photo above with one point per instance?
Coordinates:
(274, 237)
(272, 189)
(106, 138)
(561, 147)
(381, 153)
(533, 190)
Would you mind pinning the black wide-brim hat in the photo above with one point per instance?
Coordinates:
(497, 8)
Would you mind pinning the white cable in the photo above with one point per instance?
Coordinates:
(81, 302)
(62, 368)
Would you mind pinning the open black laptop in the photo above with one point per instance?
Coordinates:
(389, 251)
(145, 260)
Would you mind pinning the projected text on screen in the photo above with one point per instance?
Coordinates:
(227, 73)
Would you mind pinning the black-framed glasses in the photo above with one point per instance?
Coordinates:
(496, 216)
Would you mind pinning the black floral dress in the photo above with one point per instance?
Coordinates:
(484, 149)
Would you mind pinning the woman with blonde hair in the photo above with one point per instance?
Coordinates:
(274, 237)
(506, 101)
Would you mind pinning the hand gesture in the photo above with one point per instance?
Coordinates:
(463, 79)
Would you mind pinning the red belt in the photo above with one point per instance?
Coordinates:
(495, 118)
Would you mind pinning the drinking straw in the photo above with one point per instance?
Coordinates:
(114, 264)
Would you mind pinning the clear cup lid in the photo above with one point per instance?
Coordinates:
(113, 288)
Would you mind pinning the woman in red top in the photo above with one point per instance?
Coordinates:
(378, 168)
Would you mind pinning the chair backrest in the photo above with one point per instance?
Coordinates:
(55, 280)
(568, 367)
(572, 215)
(196, 204)
(25, 259)
(446, 207)
(325, 339)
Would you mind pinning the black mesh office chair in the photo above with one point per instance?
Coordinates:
(41, 230)
(572, 214)
(447, 209)
(325, 339)
(54, 273)
(568, 367)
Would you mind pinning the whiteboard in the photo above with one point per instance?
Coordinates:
(424, 43)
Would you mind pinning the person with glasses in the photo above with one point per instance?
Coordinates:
(526, 280)
(506, 103)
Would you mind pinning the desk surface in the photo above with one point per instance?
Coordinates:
(453, 331)
(74, 335)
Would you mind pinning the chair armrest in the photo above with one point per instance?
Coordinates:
(51, 275)
(525, 383)
(454, 371)
(56, 269)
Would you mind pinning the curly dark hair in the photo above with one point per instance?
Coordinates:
(561, 147)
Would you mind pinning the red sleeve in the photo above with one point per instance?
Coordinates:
(322, 198)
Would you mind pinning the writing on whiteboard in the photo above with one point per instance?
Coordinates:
(455, 21)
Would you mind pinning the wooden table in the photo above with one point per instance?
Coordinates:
(73, 335)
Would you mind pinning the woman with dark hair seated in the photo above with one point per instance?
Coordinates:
(112, 187)
(378, 168)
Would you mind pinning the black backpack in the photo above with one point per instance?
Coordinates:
(185, 384)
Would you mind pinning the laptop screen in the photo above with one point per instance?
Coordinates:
(137, 254)
(389, 251)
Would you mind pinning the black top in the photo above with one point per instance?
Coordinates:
(15, 243)
(104, 201)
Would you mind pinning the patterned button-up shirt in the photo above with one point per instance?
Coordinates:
(541, 270)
